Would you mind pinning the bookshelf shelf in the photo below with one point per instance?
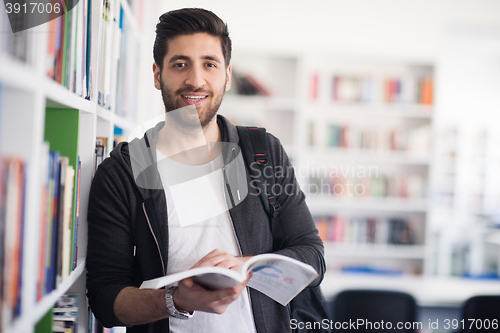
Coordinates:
(326, 204)
(25, 322)
(17, 75)
(60, 97)
(104, 114)
(374, 110)
(375, 251)
(370, 156)
(48, 300)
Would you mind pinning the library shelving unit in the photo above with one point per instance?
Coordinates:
(368, 156)
(34, 108)
(344, 115)
(339, 115)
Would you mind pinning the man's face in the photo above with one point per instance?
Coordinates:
(194, 73)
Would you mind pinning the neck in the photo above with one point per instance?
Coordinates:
(189, 147)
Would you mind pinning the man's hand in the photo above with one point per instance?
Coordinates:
(223, 259)
(190, 297)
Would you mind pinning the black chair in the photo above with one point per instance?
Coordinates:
(481, 314)
(375, 311)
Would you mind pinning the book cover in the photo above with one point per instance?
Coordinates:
(67, 211)
(74, 225)
(44, 211)
(63, 167)
(88, 50)
(14, 197)
(54, 228)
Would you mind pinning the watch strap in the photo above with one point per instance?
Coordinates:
(172, 310)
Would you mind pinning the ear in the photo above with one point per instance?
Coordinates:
(156, 74)
(228, 73)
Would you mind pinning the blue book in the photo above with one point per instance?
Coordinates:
(53, 224)
(89, 35)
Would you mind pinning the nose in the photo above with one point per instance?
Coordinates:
(195, 78)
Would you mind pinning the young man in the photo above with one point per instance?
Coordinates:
(138, 229)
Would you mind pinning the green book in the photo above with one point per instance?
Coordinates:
(61, 131)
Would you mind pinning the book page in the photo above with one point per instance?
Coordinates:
(279, 277)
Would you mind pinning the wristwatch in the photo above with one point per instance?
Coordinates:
(172, 310)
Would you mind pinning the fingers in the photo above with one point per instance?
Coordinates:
(220, 258)
(188, 282)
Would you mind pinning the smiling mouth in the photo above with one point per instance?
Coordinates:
(194, 99)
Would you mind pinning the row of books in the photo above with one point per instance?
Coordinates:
(12, 204)
(59, 220)
(395, 186)
(69, 47)
(247, 84)
(369, 230)
(371, 90)
(66, 311)
(101, 146)
(414, 140)
(118, 78)
(110, 39)
(101, 150)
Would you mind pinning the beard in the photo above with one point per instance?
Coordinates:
(204, 116)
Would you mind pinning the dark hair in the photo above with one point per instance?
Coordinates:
(189, 21)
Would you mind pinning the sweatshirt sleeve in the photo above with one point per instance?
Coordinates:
(300, 236)
(110, 258)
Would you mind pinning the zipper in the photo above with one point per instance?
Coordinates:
(154, 236)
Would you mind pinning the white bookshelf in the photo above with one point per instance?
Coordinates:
(26, 93)
(329, 204)
(370, 113)
(289, 110)
(375, 251)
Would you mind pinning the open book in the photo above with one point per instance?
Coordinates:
(274, 275)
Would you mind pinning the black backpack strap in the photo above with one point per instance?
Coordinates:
(255, 148)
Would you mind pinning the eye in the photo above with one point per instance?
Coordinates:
(210, 64)
(179, 65)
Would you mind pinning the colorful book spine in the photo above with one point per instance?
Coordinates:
(406, 89)
(68, 48)
(12, 195)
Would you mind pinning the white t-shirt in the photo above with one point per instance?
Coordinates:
(199, 222)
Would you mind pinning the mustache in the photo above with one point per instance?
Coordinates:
(192, 90)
